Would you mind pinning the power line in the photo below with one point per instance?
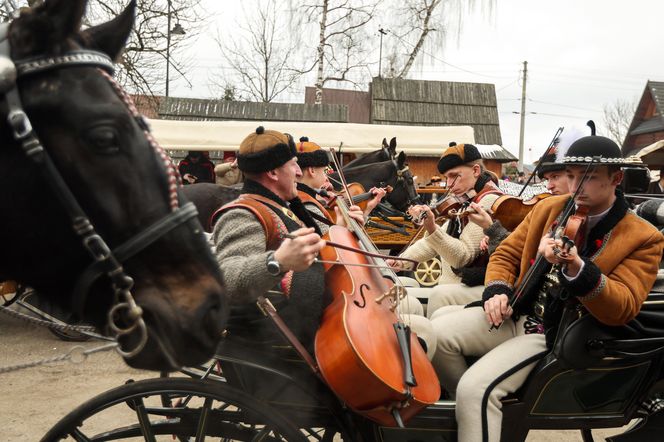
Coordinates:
(404, 41)
(564, 105)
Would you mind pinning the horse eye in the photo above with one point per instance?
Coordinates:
(104, 140)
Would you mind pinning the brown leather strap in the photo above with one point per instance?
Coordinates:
(306, 198)
(268, 310)
(489, 189)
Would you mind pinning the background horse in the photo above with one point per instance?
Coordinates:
(386, 152)
(112, 172)
(208, 197)
(392, 172)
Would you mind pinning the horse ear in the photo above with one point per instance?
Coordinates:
(393, 146)
(46, 26)
(385, 142)
(65, 16)
(111, 37)
(401, 159)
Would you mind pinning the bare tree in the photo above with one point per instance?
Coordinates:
(419, 24)
(260, 54)
(618, 117)
(9, 8)
(143, 65)
(342, 39)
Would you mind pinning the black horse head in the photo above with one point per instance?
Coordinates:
(394, 173)
(111, 168)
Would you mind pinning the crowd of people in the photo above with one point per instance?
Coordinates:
(268, 241)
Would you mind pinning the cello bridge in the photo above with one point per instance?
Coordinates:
(394, 295)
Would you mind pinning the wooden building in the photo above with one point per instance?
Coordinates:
(648, 123)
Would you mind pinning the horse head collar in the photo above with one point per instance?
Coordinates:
(405, 178)
(125, 316)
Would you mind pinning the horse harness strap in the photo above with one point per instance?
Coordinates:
(105, 261)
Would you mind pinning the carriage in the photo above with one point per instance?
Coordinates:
(595, 377)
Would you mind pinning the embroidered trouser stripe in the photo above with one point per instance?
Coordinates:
(498, 380)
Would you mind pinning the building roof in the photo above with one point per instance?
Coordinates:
(437, 103)
(648, 117)
(654, 124)
(657, 91)
(495, 152)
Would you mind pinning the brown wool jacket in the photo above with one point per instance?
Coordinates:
(616, 278)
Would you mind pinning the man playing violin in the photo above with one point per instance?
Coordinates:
(314, 163)
(457, 242)
(608, 270)
(251, 250)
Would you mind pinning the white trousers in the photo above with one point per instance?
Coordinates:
(411, 313)
(447, 294)
(507, 356)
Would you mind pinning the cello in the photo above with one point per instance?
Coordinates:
(365, 352)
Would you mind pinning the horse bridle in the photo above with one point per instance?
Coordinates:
(405, 176)
(125, 317)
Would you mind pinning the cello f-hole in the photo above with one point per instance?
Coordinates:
(364, 298)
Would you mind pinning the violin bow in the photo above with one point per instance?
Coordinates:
(552, 144)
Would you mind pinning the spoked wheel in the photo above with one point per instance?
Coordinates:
(428, 273)
(170, 409)
(44, 309)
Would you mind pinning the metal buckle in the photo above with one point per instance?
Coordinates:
(97, 246)
(265, 305)
(20, 124)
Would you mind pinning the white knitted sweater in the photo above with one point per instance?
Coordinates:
(455, 252)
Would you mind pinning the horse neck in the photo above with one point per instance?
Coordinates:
(370, 158)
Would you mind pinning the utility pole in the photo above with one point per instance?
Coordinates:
(168, 45)
(380, 53)
(523, 114)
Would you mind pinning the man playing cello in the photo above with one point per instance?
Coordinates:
(609, 271)
(253, 255)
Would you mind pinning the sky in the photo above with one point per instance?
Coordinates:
(581, 54)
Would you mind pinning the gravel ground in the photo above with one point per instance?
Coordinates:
(34, 399)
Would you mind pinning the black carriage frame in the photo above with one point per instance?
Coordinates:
(612, 383)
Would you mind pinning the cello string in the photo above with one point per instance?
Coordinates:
(363, 237)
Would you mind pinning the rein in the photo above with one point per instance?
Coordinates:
(125, 317)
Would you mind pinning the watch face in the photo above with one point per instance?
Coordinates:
(273, 268)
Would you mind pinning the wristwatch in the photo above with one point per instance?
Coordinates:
(273, 266)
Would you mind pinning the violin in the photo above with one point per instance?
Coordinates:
(509, 210)
(357, 192)
(365, 354)
(571, 227)
(449, 206)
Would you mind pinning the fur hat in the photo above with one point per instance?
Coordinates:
(309, 154)
(549, 164)
(265, 150)
(457, 155)
(599, 150)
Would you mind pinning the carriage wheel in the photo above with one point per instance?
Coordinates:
(195, 409)
(46, 310)
(428, 272)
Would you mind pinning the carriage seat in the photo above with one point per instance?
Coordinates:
(276, 375)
